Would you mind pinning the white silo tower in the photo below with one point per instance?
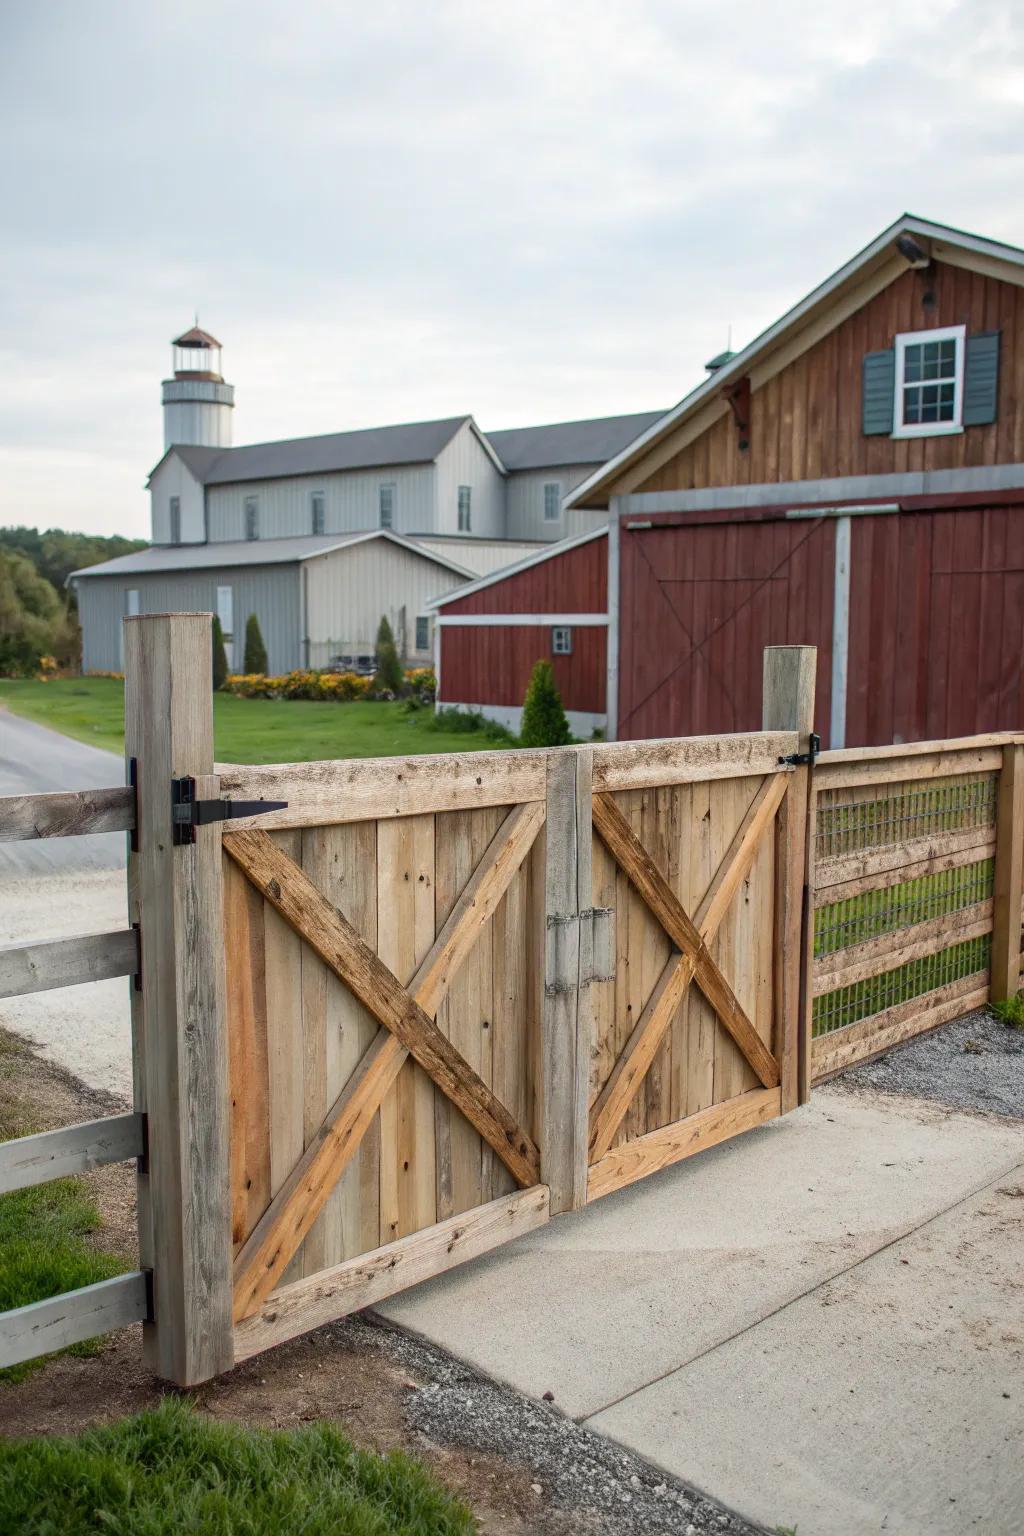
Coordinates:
(197, 402)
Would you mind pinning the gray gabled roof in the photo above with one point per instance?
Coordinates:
(570, 442)
(417, 442)
(235, 553)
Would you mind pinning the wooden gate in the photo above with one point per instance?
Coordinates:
(697, 1037)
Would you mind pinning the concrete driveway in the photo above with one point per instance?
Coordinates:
(61, 886)
(820, 1324)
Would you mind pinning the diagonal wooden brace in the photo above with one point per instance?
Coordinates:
(407, 1030)
(691, 960)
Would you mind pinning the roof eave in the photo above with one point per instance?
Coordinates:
(597, 483)
(558, 547)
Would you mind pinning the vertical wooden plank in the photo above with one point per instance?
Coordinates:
(405, 932)
(183, 1075)
(247, 1052)
(1009, 876)
(567, 1014)
(700, 1020)
(788, 705)
(283, 970)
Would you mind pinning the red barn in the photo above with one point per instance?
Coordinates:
(854, 480)
(552, 606)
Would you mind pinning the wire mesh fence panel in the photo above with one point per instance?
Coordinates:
(875, 913)
(862, 999)
(850, 821)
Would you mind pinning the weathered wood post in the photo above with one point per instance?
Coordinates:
(566, 1030)
(1009, 876)
(178, 1017)
(788, 705)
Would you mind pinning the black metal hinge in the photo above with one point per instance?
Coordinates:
(802, 759)
(187, 812)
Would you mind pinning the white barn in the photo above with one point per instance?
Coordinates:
(320, 536)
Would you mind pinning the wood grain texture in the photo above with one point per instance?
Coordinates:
(859, 962)
(337, 943)
(659, 1149)
(39, 967)
(664, 904)
(866, 771)
(842, 890)
(896, 856)
(693, 759)
(370, 789)
(370, 1278)
(30, 1160)
(1009, 876)
(181, 1047)
(71, 813)
(45, 1326)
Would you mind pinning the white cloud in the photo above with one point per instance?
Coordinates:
(523, 210)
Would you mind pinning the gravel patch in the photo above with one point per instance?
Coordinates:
(974, 1064)
(604, 1489)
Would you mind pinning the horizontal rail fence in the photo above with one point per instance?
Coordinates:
(55, 1322)
(915, 877)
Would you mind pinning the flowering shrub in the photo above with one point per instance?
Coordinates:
(337, 686)
(47, 668)
(422, 681)
(117, 677)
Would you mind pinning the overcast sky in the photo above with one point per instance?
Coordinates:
(392, 212)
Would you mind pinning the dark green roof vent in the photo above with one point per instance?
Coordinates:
(719, 361)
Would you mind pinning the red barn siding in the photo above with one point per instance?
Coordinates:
(492, 665)
(698, 606)
(936, 621)
(574, 582)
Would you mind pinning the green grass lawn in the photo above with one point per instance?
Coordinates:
(171, 1470)
(251, 730)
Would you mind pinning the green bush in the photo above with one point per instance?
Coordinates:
(220, 657)
(1010, 1010)
(255, 650)
(171, 1470)
(470, 723)
(34, 621)
(544, 723)
(390, 674)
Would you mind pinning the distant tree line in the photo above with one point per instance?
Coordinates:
(38, 615)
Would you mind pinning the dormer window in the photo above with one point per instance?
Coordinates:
(929, 384)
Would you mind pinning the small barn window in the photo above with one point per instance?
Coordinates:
(226, 611)
(929, 382)
(465, 509)
(561, 640)
(552, 502)
(317, 506)
(132, 602)
(252, 517)
(175, 518)
(422, 632)
(387, 506)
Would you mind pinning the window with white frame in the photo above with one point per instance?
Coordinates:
(422, 632)
(252, 517)
(552, 502)
(132, 602)
(387, 506)
(929, 382)
(226, 611)
(174, 508)
(465, 508)
(561, 640)
(317, 511)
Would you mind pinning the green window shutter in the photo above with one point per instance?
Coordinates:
(879, 383)
(981, 379)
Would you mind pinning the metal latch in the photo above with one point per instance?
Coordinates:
(802, 759)
(187, 812)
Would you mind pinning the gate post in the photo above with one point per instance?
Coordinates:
(178, 1017)
(566, 1028)
(1009, 876)
(788, 705)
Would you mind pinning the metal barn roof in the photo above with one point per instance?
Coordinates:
(418, 442)
(234, 553)
(570, 442)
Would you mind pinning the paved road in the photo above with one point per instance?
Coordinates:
(35, 760)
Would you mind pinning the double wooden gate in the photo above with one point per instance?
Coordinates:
(388, 1015)
(467, 993)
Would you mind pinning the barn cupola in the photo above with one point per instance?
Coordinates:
(197, 402)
